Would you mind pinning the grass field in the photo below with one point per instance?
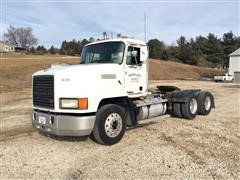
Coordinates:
(167, 70)
(16, 70)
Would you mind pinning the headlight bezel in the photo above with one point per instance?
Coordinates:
(68, 99)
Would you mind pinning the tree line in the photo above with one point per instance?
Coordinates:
(74, 47)
(70, 48)
(209, 51)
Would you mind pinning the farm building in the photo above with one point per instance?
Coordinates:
(6, 47)
(234, 64)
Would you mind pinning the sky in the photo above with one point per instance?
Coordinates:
(55, 21)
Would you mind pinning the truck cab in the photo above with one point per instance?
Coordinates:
(108, 69)
(129, 58)
(106, 92)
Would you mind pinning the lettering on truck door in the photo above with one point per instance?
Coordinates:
(133, 71)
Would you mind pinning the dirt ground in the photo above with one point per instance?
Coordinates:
(167, 148)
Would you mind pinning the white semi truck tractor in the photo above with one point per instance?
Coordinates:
(106, 93)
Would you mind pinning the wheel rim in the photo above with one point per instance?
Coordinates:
(193, 105)
(113, 125)
(207, 103)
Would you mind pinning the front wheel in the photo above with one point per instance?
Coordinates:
(110, 124)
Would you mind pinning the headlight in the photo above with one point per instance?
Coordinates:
(69, 103)
(74, 103)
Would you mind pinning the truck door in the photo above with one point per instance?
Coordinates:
(134, 71)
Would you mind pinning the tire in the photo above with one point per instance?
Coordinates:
(189, 109)
(176, 110)
(110, 125)
(205, 103)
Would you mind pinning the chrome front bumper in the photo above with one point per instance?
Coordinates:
(63, 125)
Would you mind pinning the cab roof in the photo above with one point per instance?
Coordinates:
(125, 40)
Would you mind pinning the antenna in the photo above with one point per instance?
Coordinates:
(104, 35)
(145, 27)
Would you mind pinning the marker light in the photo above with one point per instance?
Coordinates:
(83, 103)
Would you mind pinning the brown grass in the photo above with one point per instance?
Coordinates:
(168, 70)
(16, 70)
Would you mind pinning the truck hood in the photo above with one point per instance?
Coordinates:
(92, 81)
(85, 70)
(84, 77)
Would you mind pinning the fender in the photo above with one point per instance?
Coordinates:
(181, 96)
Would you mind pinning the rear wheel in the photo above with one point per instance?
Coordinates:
(110, 124)
(176, 110)
(189, 109)
(205, 102)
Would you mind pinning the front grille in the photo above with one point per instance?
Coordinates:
(43, 91)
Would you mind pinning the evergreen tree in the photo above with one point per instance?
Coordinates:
(32, 50)
(72, 47)
(182, 41)
(213, 49)
(185, 51)
(41, 50)
(63, 48)
(83, 43)
(52, 50)
(172, 52)
(157, 49)
(230, 43)
(91, 39)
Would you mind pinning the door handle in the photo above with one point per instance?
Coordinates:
(133, 66)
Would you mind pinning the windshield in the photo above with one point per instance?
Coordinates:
(107, 52)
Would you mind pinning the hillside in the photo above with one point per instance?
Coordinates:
(168, 70)
(16, 70)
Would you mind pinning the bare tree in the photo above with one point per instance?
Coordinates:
(20, 36)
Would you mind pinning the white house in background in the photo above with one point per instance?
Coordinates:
(6, 47)
(234, 62)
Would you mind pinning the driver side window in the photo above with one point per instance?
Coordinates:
(133, 60)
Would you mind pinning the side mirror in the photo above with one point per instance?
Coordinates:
(144, 54)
